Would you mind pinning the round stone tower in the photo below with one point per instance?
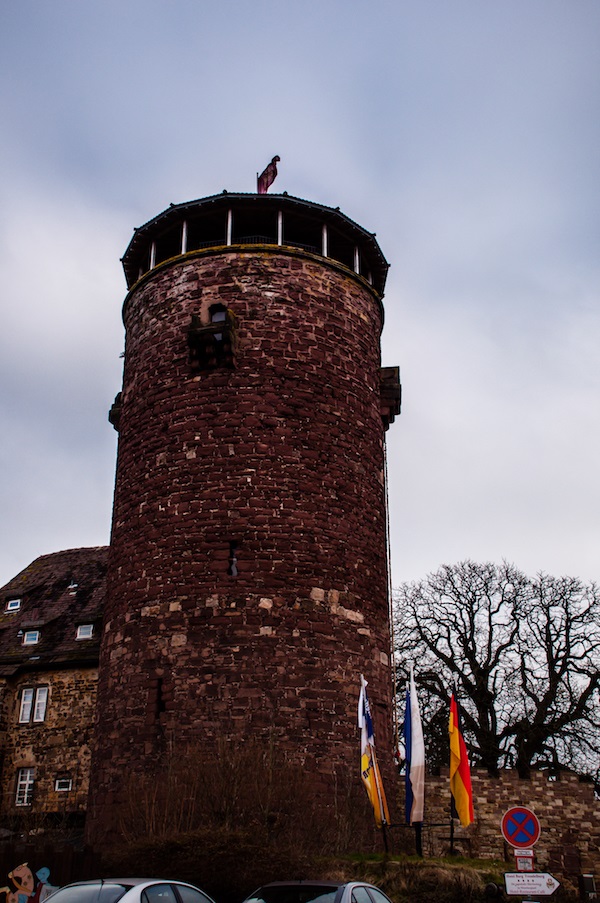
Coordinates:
(248, 575)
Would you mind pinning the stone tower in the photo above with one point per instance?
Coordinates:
(247, 577)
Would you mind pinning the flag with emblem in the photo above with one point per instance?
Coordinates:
(369, 770)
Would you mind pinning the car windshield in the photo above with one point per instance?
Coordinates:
(101, 892)
(294, 893)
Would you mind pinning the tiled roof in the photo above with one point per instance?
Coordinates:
(58, 592)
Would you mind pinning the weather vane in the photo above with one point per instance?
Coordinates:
(267, 177)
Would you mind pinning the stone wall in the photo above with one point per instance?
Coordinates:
(568, 811)
(59, 746)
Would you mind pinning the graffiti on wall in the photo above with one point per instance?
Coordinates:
(24, 886)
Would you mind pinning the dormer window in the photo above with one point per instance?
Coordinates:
(85, 632)
(31, 637)
(13, 605)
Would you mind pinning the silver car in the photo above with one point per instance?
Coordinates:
(129, 890)
(317, 892)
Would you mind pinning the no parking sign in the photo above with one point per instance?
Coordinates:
(520, 827)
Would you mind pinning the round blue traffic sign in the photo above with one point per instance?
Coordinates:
(520, 827)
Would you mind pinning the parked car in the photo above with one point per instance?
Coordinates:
(129, 890)
(317, 892)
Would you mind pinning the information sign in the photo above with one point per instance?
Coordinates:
(524, 859)
(525, 883)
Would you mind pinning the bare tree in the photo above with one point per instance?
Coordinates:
(556, 717)
(523, 653)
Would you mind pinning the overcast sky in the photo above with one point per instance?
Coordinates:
(465, 133)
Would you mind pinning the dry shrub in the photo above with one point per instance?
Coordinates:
(446, 884)
(405, 881)
(253, 789)
(235, 816)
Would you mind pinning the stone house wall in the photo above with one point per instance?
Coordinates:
(58, 747)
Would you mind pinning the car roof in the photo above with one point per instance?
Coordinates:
(134, 882)
(300, 882)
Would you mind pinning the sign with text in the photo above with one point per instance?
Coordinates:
(524, 860)
(524, 883)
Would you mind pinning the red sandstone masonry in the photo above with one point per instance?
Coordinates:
(282, 455)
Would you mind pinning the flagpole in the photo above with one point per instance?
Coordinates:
(419, 838)
(380, 797)
(453, 692)
(414, 763)
(385, 839)
(381, 809)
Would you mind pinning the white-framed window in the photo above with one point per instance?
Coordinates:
(31, 637)
(63, 783)
(25, 782)
(85, 631)
(13, 605)
(33, 705)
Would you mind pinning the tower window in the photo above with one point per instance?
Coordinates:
(25, 782)
(232, 569)
(156, 700)
(214, 344)
(218, 313)
(160, 702)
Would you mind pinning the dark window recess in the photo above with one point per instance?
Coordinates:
(208, 230)
(156, 700)
(232, 569)
(302, 232)
(168, 244)
(214, 344)
(341, 248)
(254, 227)
(160, 702)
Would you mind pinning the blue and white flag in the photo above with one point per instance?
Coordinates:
(415, 756)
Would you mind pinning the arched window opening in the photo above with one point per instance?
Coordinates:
(232, 570)
(213, 344)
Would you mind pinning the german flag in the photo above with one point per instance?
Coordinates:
(460, 774)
